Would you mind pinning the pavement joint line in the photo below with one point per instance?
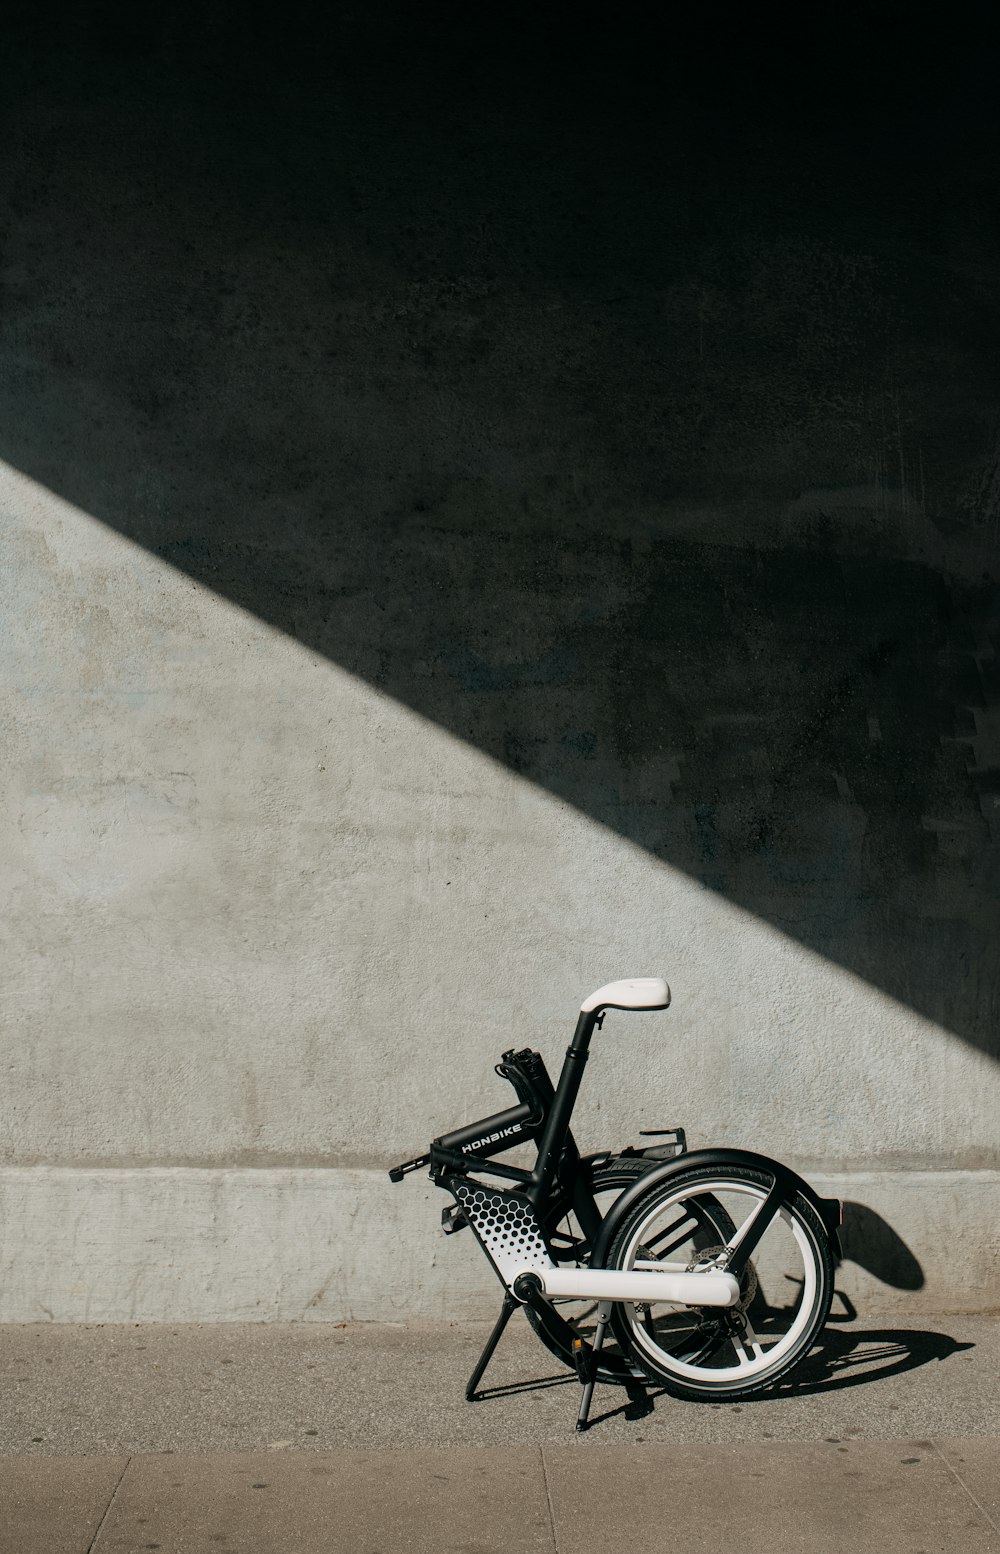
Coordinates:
(92, 1545)
(548, 1501)
(963, 1485)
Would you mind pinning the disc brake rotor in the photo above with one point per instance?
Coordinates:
(705, 1259)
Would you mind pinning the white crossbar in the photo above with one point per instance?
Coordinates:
(681, 1289)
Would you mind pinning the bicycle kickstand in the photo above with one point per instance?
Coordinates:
(588, 1361)
(506, 1311)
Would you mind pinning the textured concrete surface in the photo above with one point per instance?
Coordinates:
(300, 948)
(478, 524)
(975, 1463)
(55, 1505)
(284, 1439)
(271, 917)
(243, 1387)
(819, 1499)
(899, 1497)
(351, 1503)
(166, 1244)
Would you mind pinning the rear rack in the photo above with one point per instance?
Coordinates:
(674, 1143)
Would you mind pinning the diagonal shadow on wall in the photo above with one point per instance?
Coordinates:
(644, 438)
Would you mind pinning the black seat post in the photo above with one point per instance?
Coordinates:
(561, 1111)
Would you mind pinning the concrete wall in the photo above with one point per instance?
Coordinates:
(455, 556)
(268, 930)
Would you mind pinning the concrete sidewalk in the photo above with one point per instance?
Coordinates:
(248, 1387)
(289, 1439)
(898, 1497)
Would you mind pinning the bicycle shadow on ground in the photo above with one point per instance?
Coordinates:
(508, 1389)
(865, 1355)
(841, 1359)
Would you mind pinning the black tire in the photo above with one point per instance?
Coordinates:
(708, 1355)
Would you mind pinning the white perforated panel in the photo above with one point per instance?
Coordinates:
(506, 1225)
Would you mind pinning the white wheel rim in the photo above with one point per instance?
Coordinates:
(764, 1359)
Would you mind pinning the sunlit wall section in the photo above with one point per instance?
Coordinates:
(266, 931)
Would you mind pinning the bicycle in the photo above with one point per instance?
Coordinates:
(710, 1271)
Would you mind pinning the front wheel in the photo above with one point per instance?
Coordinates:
(785, 1291)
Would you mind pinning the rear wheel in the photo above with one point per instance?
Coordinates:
(785, 1291)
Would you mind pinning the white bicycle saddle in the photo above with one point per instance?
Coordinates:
(631, 993)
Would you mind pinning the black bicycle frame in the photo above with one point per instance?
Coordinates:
(561, 1181)
(543, 1116)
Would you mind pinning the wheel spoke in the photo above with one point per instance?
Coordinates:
(748, 1341)
(687, 1218)
(752, 1229)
